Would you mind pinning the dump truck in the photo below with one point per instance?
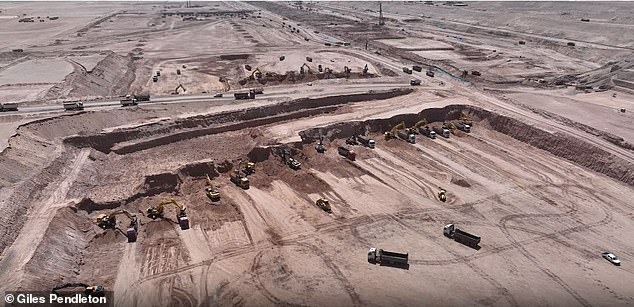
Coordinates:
(417, 68)
(73, 105)
(408, 137)
(428, 132)
(309, 59)
(129, 101)
(6, 107)
(442, 131)
(430, 74)
(414, 82)
(240, 180)
(352, 140)
(368, 142)
(452, 232)
(462, 126)
(324, 204)
(244, 95)
(348, 153)
(383, 257)
(476, 73)
(571, 44)
(407, 70)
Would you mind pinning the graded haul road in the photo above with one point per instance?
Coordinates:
(260, 165)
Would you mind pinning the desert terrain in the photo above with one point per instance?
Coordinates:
(544, 177)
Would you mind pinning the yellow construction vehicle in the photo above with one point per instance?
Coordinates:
(464, 123)
(442, 194)
(256, 74)
(415, 129)
(159, 212)
(449, 126)
(248, 168)
(392, 133)
(109, 221)
(240, 180)
(180, 86)
(323, 204)
(212, 193)
(304, 71)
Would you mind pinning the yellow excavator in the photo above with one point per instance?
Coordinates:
(464, 123)
(159, 212)
(180, 86)
(248, 168)
(442, 195)
(414, 129)
(256, 74)
(450, 126)
(212, 193)
(109, 221)
(392, 133)
(323, 204)
(305, 70)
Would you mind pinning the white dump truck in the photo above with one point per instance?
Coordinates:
(73, 106)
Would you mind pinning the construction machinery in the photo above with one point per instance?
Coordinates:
(180, 86)
(73, 106)
(309, 59)
(383, 257)
(352, 140)
(392, 133)
(256, 74)
(247, 168)
(406, 136)
(247, 67)
(159, 212)
(348, 153)
(285, 154)
(306, 70)
(365, 69)
(428, 132)
(244, 95)
(212, 193)
(6, 107)
(347, 69)
(109, 221)
(452, 232)
(417, 68)
(258, 90)
(464, 123)
(320, 145)
(141, 97)
(368, 142)
(442, 195)
(323, 204)
(239, 179)
(429, 73)
(407, 70)
(442, 131)
(415, 129)
(88, 289)
(449, 126)
(129, 101)
(415, 82)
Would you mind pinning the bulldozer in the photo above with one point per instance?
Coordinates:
(159, 212)
(392, 133)
(109, 221)
(212, 193)
(305, 70)
(98, 291)
(442, 195)
(240, 180)
(323, 204)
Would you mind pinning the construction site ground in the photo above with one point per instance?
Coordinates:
(545, 177)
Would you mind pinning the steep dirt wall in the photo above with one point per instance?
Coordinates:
(559, 144)
(105, 142)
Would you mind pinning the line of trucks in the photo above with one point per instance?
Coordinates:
(250, 94)
(384, 257)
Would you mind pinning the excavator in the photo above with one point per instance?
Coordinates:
(248, 168)
(464, 123)
(212, 193)
(365, 69)
(285, 154)
(449, 126)
(320, 146)
(442, 194)
(392, 133)
(175, 92)
(159, 212)
(239, 179)
(415, 129)
(109, 221)
(303, 71)
(256, 74)
(323, 204)
(88, 290)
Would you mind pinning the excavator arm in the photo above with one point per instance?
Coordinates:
(159, 211)
(414, 129)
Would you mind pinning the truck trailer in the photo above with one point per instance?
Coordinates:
(428, 132)
(6, 107)
(348, 153)
(244, 95)
(442, 131)
(129, 101)
(383, 257)
(142, 97)
(408, 137)
(417, 68)
(73, 106)
(452, 232)
(370, 143)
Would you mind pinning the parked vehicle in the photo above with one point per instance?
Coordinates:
(612, 258)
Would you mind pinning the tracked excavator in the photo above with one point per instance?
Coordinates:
(323, 204)
(256, 74)
(392, 133)
(180, 86)
(415, 129)
(305, 70)
(212, 193)
(159, 212)
(285, 154)
(442, 195)
(88, 289)
(109, 221)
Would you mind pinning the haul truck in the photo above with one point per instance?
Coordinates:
(452, 232)
(383, 257)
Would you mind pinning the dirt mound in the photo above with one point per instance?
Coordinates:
(199, 169)
(58, 257)
(112, 76)
(291, 77)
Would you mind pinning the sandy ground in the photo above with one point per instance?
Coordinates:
(536, 178)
